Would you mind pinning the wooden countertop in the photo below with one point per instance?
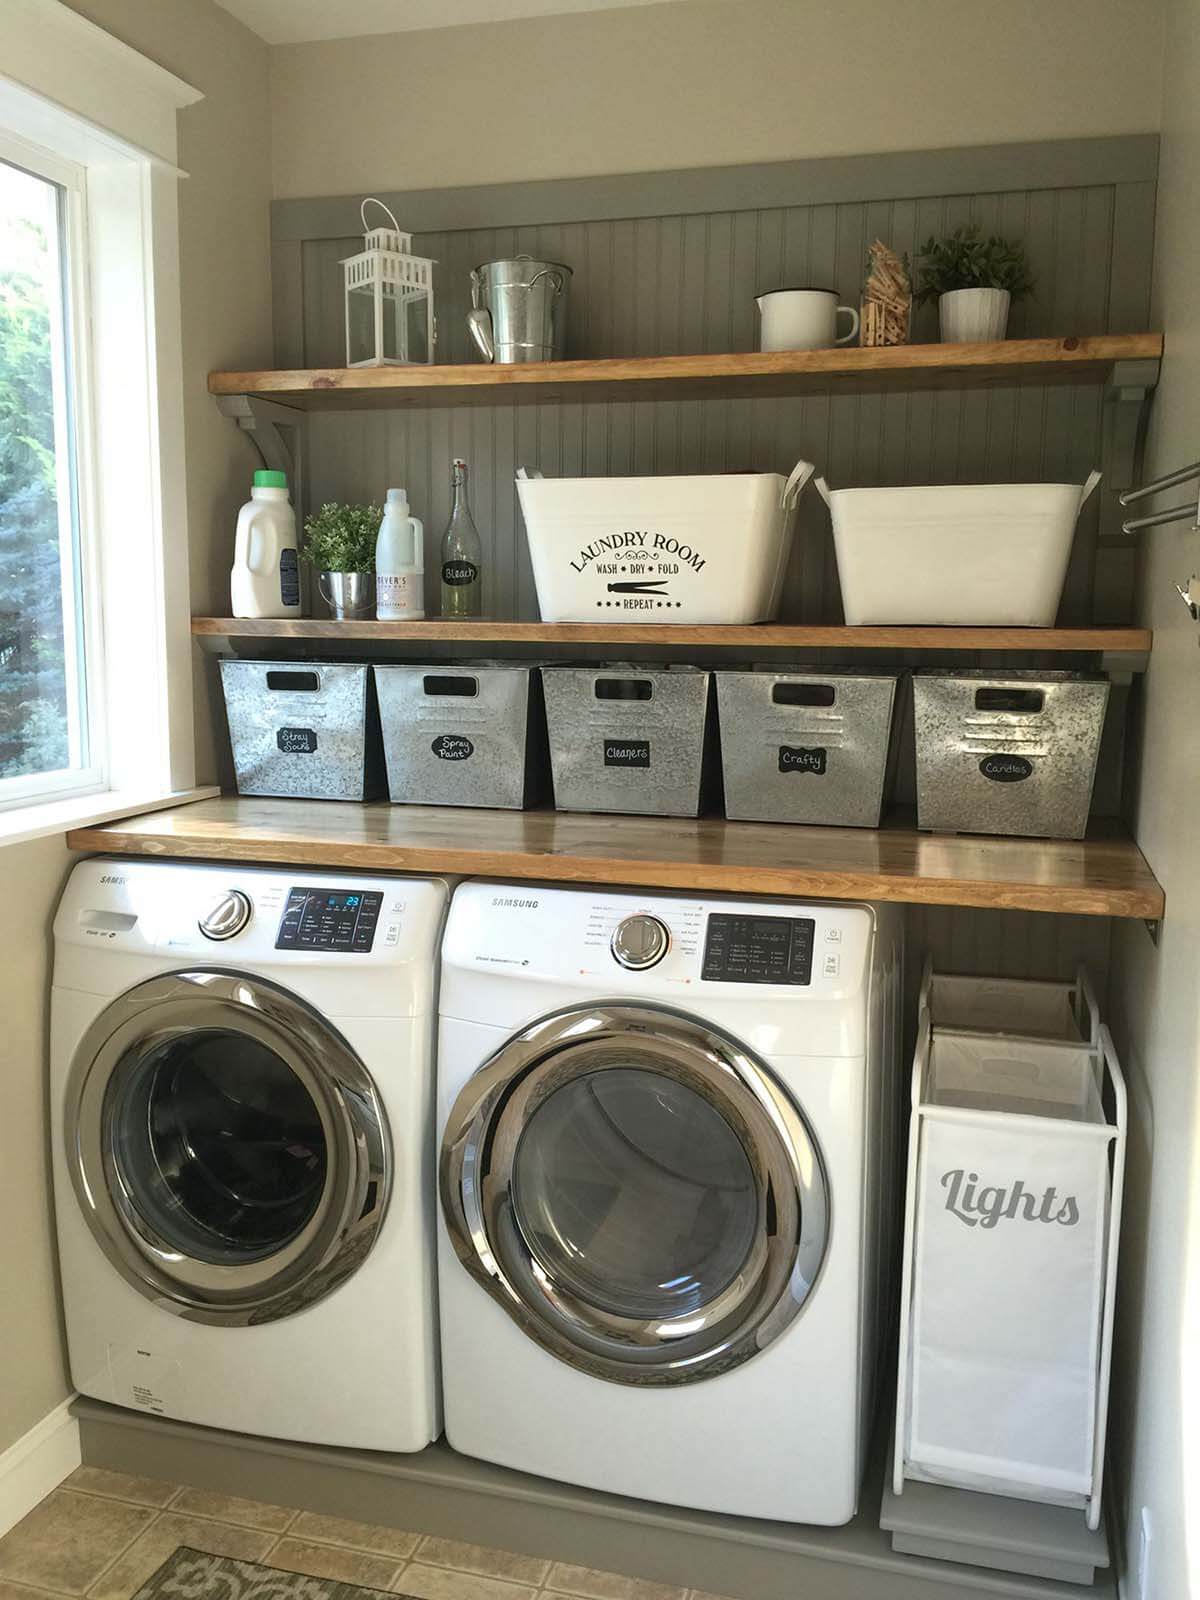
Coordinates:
(1104, 875)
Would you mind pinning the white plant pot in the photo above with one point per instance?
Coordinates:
(969, 316)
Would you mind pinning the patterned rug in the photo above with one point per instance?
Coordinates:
(193, 1575)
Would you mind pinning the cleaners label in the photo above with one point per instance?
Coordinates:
(626, 752)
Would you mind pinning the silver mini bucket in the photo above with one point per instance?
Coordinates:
(519, 310)
(309, 730)
(469, 734)
(1009, 753)
(347, 594)
(627, 738)
(805, 747)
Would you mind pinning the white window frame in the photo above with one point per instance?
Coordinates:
(80, 562)
(77, 101)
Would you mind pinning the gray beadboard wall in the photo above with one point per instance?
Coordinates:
(671, 263)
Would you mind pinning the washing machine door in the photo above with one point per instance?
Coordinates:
(639, 1193)
(226, 1145)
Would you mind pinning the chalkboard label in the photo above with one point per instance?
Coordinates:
(626, 752)
(797, 758)
(296, 741)
(456, 573)
(1006, 769)
(452, 747)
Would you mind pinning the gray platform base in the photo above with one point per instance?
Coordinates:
(990, 1530)
(440, 1492)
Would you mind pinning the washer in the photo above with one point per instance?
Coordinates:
(242, 1107)
(667, 1182)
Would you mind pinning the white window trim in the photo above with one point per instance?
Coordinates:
(116, 128)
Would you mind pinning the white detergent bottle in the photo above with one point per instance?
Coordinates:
(265, 581)
(399, 563)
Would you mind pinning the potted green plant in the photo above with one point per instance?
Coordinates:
(974, 281)
(339, 545)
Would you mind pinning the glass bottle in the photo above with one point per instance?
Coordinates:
(462, 554)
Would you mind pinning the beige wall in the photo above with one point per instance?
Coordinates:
(710, 83)
(224, 144)
(35, 1379)
(1157, 1410)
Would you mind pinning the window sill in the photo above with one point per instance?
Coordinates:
(39, 820)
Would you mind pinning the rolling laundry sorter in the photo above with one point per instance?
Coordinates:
(1012, 1216)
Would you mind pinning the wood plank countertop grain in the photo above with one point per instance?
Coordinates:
(1104, 875)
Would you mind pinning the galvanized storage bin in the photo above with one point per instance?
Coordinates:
(1009, 753)
(805, 746)
(627, 738)
(309, 730)
(467, 734)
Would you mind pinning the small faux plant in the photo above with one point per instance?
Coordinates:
(964, 259)
(342, 538)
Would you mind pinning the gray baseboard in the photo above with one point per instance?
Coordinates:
(440, 1492)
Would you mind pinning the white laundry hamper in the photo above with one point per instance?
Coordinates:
(709, 548)
(1016, 1159)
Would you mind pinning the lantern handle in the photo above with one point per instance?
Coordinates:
(371, 201)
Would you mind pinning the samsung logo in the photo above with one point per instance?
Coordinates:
(110, 877)
(515, 904)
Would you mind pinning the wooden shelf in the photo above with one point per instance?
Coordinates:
(1105, 875)
(763, 635)
(750, 373)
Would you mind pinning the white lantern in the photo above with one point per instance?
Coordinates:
(389, 299)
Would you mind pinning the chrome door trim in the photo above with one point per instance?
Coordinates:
(478, 1151)
(342, 1229)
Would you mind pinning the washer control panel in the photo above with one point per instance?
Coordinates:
(322, 919)
(227, 916)
(749, 949)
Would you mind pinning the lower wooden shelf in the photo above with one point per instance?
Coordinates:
(1105, 875)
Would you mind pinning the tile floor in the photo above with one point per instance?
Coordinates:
(102, 1534)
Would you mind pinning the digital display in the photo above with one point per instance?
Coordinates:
(739, 949)
(322, 919)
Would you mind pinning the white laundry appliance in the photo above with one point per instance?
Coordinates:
(242, 1105)
(667, 1172)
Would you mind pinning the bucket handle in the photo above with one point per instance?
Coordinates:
(794, 487)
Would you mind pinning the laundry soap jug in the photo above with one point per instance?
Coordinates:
(265, 581)
(399, 563)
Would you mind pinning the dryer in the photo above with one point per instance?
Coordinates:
(667, 1178)
(242, 1095)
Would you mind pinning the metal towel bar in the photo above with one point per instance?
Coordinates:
(1156, 519)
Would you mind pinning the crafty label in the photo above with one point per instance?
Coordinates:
(627, 752)
(1006, 769)
(452, 747)
(296, 741)
(456, 573)
(799, 759)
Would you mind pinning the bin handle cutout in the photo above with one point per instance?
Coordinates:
(794, 487)
(1021, 702)
(803, 694)
(449, 684)
(305, 682)
(624, 689)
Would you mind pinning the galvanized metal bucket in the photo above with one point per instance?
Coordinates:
(309, 730)
(627, 738)
(470, 734)
(519, 309)
(805, 747)
(1010, 753)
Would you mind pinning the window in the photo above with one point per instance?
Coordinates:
(50, 739)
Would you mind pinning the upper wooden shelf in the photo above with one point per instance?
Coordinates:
(1008, 361)
(1104, 875)
(763, 635)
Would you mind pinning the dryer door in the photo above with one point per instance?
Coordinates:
(226, 1145)
(640, 1195)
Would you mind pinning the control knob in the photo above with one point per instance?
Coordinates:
(228, 916)
(640, 941)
